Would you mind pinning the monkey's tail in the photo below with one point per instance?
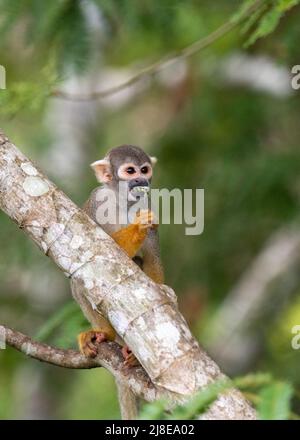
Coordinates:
(127, 400)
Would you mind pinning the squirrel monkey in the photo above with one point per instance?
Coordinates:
(133, 167)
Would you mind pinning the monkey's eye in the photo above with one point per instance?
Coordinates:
(144, 170)
(130, 170)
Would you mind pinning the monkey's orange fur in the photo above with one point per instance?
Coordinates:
(131, 237)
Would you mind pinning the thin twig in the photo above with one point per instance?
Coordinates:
(46, 353)
(165, 61)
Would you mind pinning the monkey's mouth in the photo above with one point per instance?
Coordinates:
(139, 191)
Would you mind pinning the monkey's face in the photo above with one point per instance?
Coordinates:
(127, 164)
(137, 176)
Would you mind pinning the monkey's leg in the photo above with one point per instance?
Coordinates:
(152, 265)
(89, 340)
(132, 237)
(154, 270)
(129, 359)
(102, 330)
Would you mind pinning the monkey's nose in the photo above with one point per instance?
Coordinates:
(138, 182)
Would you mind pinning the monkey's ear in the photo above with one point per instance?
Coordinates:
(153, 160)
(102, 170)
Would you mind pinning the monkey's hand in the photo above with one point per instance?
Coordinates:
(131, 237)
(145, 219)
(88, 341)
(129, 359)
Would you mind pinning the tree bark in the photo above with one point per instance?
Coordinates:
(143, 313)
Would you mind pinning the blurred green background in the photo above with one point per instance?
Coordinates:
(225, 119)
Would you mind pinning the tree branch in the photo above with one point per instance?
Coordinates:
(143, 313)
(109, 356)
(46, 353)
(166, 61)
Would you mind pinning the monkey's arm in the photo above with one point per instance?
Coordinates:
(129, 238)
(132, 236)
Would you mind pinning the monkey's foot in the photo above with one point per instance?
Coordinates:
(129, 359)
(89, 340)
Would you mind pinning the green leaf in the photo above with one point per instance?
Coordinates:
(29, 95)
(267, 24)
(254, 18)
(207, 396)
(201, 401)
(237, 16)
(269, 20)
(153, 411)
(254, 380)
(275, 401)
(285, 5)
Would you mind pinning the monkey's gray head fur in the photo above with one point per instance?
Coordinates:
(125, 154)
(127, 163)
